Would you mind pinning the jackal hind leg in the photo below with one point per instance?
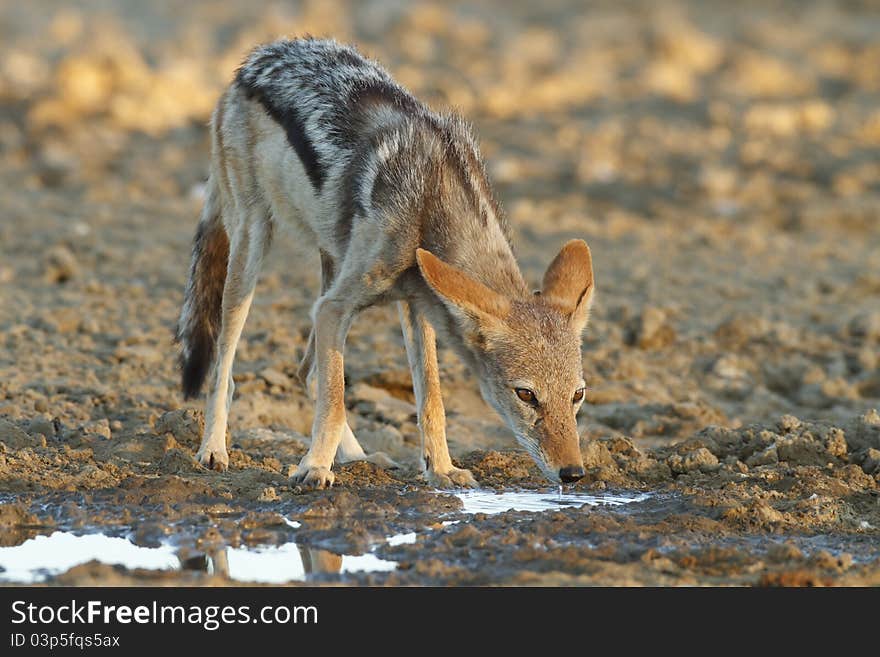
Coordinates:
(246, 250)
(306, 371)
(421, 351)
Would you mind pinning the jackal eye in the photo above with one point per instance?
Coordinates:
(578, 396)
(526, 395)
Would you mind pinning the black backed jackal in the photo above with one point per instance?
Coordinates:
(396, 200)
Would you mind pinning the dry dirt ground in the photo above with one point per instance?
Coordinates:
(722, 160)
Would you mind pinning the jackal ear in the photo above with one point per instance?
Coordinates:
(461, 293)
(568, 283)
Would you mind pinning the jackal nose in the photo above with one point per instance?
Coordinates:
(571, 473)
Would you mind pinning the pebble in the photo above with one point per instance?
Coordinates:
(16, 438)
(729, 367)
(42, 424)
(871, 463)
(650, 330)
(98, 428)
(865, 326)
(275, 378)
(699, 459)
(60, 265)
(185, 424)
(268, 494)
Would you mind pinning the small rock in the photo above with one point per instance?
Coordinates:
(864, 431)
(97, 428)
(738, 330)
(41, 424)
(268, 494)
(66, 320)
(15, 438)
(767, 513)
(835, 443)
(90, 326)
(380, 404)
(871, 462)
(60, 265)
(186, 424)
(41, 405)
(787, 378)
(864, 359)
(699, 459)
(650, 330)
(382, 438)
(143, 353)
(784, 552)
(275, 378)
(729, 367)
(865, 326)
(740, 467)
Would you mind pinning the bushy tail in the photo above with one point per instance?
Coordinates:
(200, 316)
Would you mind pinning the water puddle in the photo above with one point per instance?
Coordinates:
(290, 563)
(42, 557)
(489, 501)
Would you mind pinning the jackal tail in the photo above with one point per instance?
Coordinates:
(201, 315)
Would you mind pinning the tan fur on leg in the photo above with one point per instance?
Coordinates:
(331, 326)
(421, 351)
(246, 255)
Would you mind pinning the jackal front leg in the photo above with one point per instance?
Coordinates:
(332, 319)
(421, 351)
(349, 448)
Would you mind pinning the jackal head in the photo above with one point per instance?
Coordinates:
(527, 351)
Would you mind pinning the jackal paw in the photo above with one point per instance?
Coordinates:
(313, 477)
(213, 458)
(453, 478)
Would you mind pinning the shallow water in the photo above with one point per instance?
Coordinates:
(45, 556)
(42, 557)
(488, 501)
(291, 563)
